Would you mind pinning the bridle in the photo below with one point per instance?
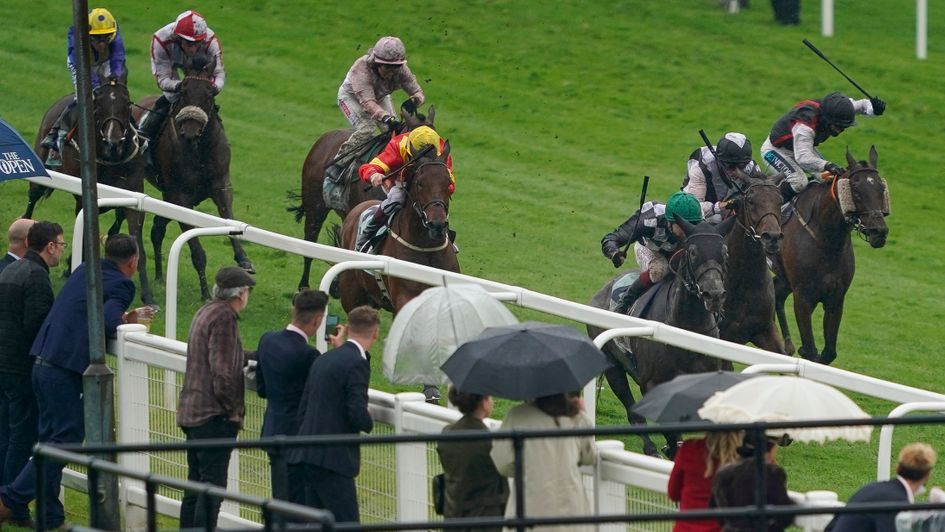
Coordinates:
(125, 126)
(854, 218)
(751, 230)
(690, 279)
(193, 112)
(421, 210)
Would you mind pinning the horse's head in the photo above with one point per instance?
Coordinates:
(758, 210)
(112, 112)
(413, 118)
(863, 196)
(702, 268)
(196, 95)
(429, 190)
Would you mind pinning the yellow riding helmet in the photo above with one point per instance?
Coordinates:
(422, 137)
(101, 22)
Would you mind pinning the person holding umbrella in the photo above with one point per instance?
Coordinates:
(690, 482)
(553, 483)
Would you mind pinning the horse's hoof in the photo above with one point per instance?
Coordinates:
(650, 450)
(827, 358)
(248, 266)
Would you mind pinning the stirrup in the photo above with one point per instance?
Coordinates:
(53, 159)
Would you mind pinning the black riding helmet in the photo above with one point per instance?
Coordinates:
(838, 110)
(734, 149)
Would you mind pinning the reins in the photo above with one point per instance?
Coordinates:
(421, 209)
(751, 230)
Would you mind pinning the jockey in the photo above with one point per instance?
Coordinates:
(704, 181)
(791, 146)
(364, 96)
(656, 237)
(170, 45)
(396, 154)
(108, 61)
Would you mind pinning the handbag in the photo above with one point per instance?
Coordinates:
(439, 493)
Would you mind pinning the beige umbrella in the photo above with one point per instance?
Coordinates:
(788, 398)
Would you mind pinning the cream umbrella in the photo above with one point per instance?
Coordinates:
(788, 398)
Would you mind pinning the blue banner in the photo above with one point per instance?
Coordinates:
(17, 159)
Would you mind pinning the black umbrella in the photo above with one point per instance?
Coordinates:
(525, 361)
(680, 398)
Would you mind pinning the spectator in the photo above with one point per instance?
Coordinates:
(553, 483)
(61, 352)
(26, 296)
(284, 359)
(16, 242)
(690, 482)
(211, 400)
(787, 11)
(916, 462)
(335, 401)
(474, 488)
(734, 485)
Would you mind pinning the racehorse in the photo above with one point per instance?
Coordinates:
(325, 149)
(816, 261)
(748, 311)
(192, 162)
(691, 299)
(117, 160)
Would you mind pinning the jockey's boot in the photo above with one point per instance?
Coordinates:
(54, 157)
(364, 239)
(49, 141)
(333, 172)
(634, 291)
(787, 192)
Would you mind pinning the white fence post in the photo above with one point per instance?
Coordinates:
(826, 18)
(609, 497)
(921, 29)
(411, 467)
(132, 389)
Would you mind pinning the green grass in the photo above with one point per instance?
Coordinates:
(555, 111)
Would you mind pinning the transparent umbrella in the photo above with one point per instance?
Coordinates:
(786, 398)
(432, 325)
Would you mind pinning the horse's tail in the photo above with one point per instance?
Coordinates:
(335, 231)
(297, 210)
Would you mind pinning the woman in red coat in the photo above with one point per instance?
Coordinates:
(690, 483)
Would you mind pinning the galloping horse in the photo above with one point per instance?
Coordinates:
(418, 233)
(116, 156)
(325, 149)
(690, 300)
(748, 311)
(816, 261)
(192, 160)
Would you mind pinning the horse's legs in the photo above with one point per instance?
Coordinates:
(833, 312)
(620, 385)
(313, 226)
(769, 340)
(34, 194)
(158, 230)
(781, 292)
(223, 198)
(120, 217)
(136, 230)
(802, 313)
(199, 259)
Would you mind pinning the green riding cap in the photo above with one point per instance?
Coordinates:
(685, 205)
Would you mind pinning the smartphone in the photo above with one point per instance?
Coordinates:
(331, 324)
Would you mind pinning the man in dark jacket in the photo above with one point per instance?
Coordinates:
(61, 355)
(284, 360)
(916, 461)
(335, 401)
(26, 296)
(16, 242)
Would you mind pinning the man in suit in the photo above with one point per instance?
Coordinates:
(61, 355)
(284, 359)
(335, 401)
(16, 241)
(26, 296)
(211, 401)
(916, 462)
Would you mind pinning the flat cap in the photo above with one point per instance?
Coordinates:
(233, 277)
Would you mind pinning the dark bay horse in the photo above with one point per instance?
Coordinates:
(118, 163)
(748, 311)
(816, 261)
(325, 149)
(418, 233)
(192, 162)
(690, 300)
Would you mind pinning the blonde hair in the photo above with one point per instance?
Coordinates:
(721, 449)
(916, 461)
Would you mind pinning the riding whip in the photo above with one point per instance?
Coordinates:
(835, 67)
(646, 184)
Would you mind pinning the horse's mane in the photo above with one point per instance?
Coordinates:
(199, 62)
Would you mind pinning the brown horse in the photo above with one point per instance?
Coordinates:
(116, 156)
(325, 149)
(816, 261)
(192, 162)
(691, 299)
(748, 311)
(418, 233)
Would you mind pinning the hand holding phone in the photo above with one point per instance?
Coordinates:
(331, 326)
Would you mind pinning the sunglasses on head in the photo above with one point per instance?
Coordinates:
(781, 441)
